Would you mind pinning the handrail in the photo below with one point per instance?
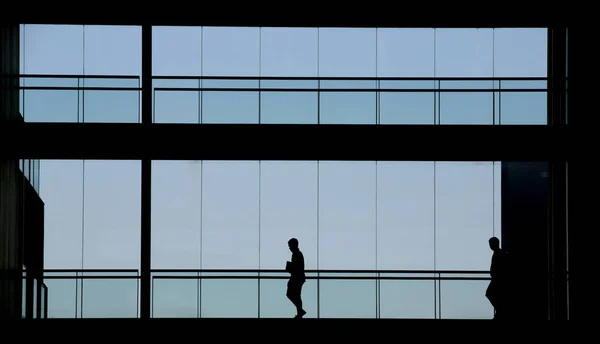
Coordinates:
(228, 77)
(339, 271)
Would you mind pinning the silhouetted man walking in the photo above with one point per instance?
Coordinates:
(297, 277)
(497, 292)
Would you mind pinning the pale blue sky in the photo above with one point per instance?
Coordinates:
(232, 215)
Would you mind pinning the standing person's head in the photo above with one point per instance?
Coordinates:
(494, 243)
(293, 244)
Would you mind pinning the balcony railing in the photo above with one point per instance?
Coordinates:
(270, 100)
(420, 294)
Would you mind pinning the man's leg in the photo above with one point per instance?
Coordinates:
(294, 293)
(300, 311)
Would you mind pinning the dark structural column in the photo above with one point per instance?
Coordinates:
(146, 230)
(558, 232)
(11, 233)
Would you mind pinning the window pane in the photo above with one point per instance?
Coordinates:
(405, 52)
(113, 50)
(112, 214)
(524, 107)
(347, 52)
(230, 51)
(275, 304)
(348, 107)
(288, 210)
(521, 52)
(230, 214)
(176, 51)
(405, 222)
(50, 105)
(406, 107)
(108, 106)
(62, 297)
(175, 298)
(62, 192)
(412, 299)
(464, 53)
(181, 106)
(52, 49)
(464, 214)
(110, 298)
(176, 217)
(229, 106)
(230, 298)
(348, 298)
(289, 107)
(289, 52)
(463, 107)
(347, 215)
(465, 299)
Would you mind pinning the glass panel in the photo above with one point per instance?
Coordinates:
(102, 106)
(52, 49)
(36, 175)
(464, 214)
(230, 106)
(110, 298)
(175, 298)
(405, 215)
(348, 107)
(50, 82)
(176, 50)
(176, 218)
(62, 193)
(113, 50)
(51, 106)
(24, 295)
(62, 297)
(230, 215)
(467, 107)
(27, 168)
(347, 52)
(229, 298)
(497, 191)
(412, 299)
(405, 52)
(465, 299)
(347, 215)
(289, 52)
(231, 51)
(112, 82)
(274, 302)
(177, 106)
(407, 107)
(521, 52)
(176, 83)
(43, 301)
(35, 298)
(464, 52)
(288, 210)
(524, 107)
(289, 107)
(112, 214)
(348, 298)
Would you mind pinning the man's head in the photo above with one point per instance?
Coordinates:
(494, 243)
(293, 244)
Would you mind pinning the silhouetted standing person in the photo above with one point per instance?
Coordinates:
(297, 277)
(497, 291)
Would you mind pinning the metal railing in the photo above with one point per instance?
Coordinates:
(279, 100)
(210, 293)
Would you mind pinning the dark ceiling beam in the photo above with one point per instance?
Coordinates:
(283, 142)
